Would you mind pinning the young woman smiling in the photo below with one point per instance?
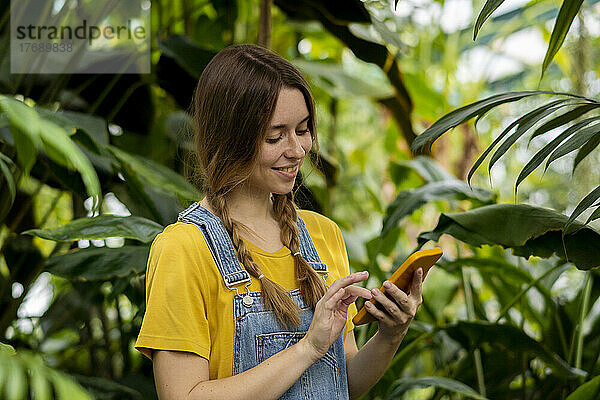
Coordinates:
(248, 297)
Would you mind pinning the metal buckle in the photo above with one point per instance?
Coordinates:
(247, 300)
(325, 278)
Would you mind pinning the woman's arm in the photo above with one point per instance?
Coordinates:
(181, 375)
(366, 366)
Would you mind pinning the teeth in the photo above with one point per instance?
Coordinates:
(287, 169)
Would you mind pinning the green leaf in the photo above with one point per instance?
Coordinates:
(428, 103)
(587, 391)
(403, 385)
(586, 149)
(60, 148)
(6, 167)
(472, 334)
(25, 129)
(563, 119)
(161, 178)
(460, 115)
(186, 54)
(7, 350)
(566, 15)
(428, 169)
(498, 266)
(541, 155)
(137, 190)
(408, 201)
(583, 205)
(594, 216)
(574, 142)
(526, 122)
(101, 227)
(39, 385)
(67, 389)
(105, 388)
(486, 11)
(15, 387)
(527, 230)
(14, 369)
(340, 83)
(99, 263)
(382, 244)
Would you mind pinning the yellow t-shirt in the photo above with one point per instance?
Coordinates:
(188, 306)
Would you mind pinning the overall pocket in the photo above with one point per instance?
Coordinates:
(320, 381)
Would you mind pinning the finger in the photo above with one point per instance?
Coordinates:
(416, 286)
(390, 306)
(331, 303)
(396, 293)
(378, 314)
(359, 292)
(345, 281)
(349, 300)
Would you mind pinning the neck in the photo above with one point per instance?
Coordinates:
(248, 207)
(251, 208)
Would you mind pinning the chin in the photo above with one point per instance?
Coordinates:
(282, 191)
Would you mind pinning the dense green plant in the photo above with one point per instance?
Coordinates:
(492, 325)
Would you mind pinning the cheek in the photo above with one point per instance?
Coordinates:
(307, 143)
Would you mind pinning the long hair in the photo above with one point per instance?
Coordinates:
(233, 106)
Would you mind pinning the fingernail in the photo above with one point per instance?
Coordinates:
(363, 273)
(368, 304)
(376, 292)
(387, 284)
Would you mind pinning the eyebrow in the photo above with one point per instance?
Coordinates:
(283, 125)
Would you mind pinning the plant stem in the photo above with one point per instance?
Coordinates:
(587, 291)
(522, 292)
(471, 316)
(524, 355)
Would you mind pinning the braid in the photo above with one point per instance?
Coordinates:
(312, 286)
(274, 296)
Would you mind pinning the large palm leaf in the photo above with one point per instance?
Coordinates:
(583, 136)
(566, 15)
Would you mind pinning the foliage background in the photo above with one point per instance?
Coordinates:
(494, 324)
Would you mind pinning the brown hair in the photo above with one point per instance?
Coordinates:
(233, 105)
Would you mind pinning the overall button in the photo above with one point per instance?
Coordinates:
(247, 301)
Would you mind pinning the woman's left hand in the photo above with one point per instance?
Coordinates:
(399, 312)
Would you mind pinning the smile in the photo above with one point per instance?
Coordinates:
(291, 169)
(288, 173)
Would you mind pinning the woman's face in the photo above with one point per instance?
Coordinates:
(287, 142)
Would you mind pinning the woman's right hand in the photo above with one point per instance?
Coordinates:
(331, 313)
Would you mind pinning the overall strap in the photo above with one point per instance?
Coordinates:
(218, 242)
(223, 252)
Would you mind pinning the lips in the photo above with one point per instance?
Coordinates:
(289, 175)
(286, 169)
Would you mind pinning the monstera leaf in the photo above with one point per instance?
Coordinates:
(527, 230)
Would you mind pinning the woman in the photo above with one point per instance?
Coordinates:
(247, 296)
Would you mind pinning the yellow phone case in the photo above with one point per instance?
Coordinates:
(403, 276)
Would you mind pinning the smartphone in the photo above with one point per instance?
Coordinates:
(402, 277)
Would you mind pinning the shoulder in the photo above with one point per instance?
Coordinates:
(181, 242)
(318, 224)
(314, 219)
(178, 234)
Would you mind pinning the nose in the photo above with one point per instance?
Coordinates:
(294, 146)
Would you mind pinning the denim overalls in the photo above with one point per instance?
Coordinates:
(258, 334)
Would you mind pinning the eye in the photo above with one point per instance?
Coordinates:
(302, 132)
(273, 140)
